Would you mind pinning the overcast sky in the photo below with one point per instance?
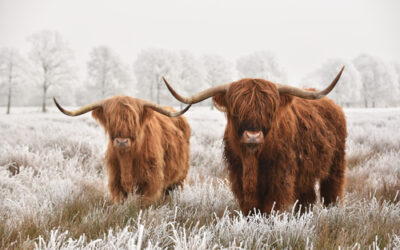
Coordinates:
(303, 34)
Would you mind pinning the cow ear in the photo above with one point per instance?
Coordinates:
(98, 114)
(219, 101)
(285, 100)
(146, 115)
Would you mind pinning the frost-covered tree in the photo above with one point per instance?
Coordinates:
(348, 90)
(149, 67)
(261, 64)
(396, 66)
(107, 74)
(11, 74)
(52, 62)
(181, 68)
(190, 74)
(218, 70)
(379, 80)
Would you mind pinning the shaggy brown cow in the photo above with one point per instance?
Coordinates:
(279, 140)
(147, 151)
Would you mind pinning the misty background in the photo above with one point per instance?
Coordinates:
(82, 51)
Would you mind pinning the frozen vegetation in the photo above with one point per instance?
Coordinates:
(53, 192)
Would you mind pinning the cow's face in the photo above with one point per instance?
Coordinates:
(122, 121)
(251, 106)
(123, 118)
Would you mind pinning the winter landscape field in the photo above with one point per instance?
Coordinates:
(53, 178)
(53, 192)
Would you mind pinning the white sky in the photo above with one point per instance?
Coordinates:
(303, 34)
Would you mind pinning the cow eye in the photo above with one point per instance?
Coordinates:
(241, 129)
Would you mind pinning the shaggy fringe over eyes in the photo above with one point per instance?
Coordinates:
(253, 100)
(123, 118)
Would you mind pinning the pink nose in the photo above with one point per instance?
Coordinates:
(252, 137)
(121, 141)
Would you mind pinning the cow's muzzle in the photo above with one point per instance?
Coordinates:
(122, 143)
(252, 139)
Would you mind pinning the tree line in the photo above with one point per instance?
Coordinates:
(49, 70)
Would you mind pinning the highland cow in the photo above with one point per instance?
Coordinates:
(148, 151)
(279, 141)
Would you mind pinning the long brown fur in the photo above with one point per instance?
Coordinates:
(304, 143)
(158, 159)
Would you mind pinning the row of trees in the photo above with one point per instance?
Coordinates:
(49, 65)
(48, 70)
(368, 81)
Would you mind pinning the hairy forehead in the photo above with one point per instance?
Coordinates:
(122, 113)
(252, 100)
(250, 92)
(248, 88)
(122, 104)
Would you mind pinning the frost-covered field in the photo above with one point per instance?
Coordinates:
(53, 192)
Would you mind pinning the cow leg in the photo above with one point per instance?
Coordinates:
(114, 178)
(153, 189)
(268, 205)
(117, 192)
(174, 186)
(115, 188)
(278, 202)
(235, 171)
(151, 196)
(280, 195)
(306, 196)
(250, 184)
(331, 188)
(235, 179)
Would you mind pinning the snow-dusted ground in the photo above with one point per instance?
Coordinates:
(53, 191)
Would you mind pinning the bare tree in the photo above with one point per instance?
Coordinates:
(107, 73)
(190, 74)
(218, 70)
(261, 64)
(51, 61)
(379, 80)
(149, 67)
(11, 73)
(396, 66)
(348, 90)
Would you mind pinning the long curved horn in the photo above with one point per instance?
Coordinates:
(79, 111)
(163, 110)
(285, 89)
(210, 92)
